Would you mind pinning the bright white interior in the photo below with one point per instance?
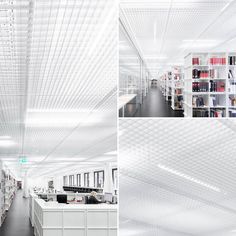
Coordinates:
(164, 31)
(58, 86)
(177, 177)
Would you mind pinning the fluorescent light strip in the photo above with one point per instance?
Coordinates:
(226, 6)
(182, 175)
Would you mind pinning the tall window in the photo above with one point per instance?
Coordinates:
(86, 179)
(115, 178)
(99, 179)
(71, 180)
(78, 177)
(65, 180)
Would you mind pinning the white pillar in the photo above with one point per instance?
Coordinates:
(25, 186)
(108, 186)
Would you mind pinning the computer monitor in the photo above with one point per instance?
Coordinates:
(108, 197)
(62, 198)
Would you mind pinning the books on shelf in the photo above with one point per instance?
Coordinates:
(200, 113)
(217, 61)
(210, 84)
(217, 113)
(232, 60)
(199, 101)
(218, 86)
(200, 87)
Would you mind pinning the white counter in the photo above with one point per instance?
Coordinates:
(124, 99)
(54, 219)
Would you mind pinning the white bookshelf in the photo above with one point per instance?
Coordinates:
(208, 90)
(7, 191)
(177, 91)
(168, 86)
(163, 84)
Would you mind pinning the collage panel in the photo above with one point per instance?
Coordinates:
(177, 177)
(58, 118)
(177, 58)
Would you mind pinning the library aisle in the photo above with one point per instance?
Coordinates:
(183, 48)
(155, 105)
(17, 222)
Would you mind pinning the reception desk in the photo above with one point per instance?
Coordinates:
(54, 219)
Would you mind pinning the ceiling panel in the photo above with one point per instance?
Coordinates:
(58, 86)
(178, 175)
(161, 28)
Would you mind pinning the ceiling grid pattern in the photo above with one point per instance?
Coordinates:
(178, 174)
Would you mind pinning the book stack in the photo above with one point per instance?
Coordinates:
(232, 101)
(198, 101)
(200, 113)
(232, 113)
(232, 60)
(195, 61)
(217, 113)
(217, 61)
(231, 74)
(200, 74)
(200, 87)
(213, 73)
(218, 86)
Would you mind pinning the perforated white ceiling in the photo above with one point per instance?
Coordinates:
(178, 176)
(166, 30)
(58, 68)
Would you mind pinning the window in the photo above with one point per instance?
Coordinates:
(86, 179)
(71, 180)
(99, 179)
(65, 180)
(78, 177)
(115, 178)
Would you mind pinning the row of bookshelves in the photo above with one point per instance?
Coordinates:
(172, 85)
(8, 188)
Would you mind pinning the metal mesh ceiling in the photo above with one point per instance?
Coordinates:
(161, 28)
(58, 67)
(178, 175)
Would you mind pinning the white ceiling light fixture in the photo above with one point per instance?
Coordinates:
(5, 137)
(182, 175)
(111, 153)
(199, 43)
(226, 6)
(153, 57)
(59, 118)
(7, 143)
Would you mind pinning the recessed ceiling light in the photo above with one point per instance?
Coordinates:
(182, 175)
(226, 6)
(5, 137)
(111, 153)
(6, 143)
(199, 43)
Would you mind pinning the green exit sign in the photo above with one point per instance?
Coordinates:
(23, 160)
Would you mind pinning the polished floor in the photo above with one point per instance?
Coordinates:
(155, 105)
(17, 221)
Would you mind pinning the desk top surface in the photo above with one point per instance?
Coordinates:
(124, 99)
(58, 206)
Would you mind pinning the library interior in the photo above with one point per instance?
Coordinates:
(177, 58)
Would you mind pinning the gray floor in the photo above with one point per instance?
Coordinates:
(155, 105)
(17, 220)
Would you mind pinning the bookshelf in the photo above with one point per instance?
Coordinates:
(7, 191)
(177, 84)
(163, 84)
(168, 86)
(210, 85)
